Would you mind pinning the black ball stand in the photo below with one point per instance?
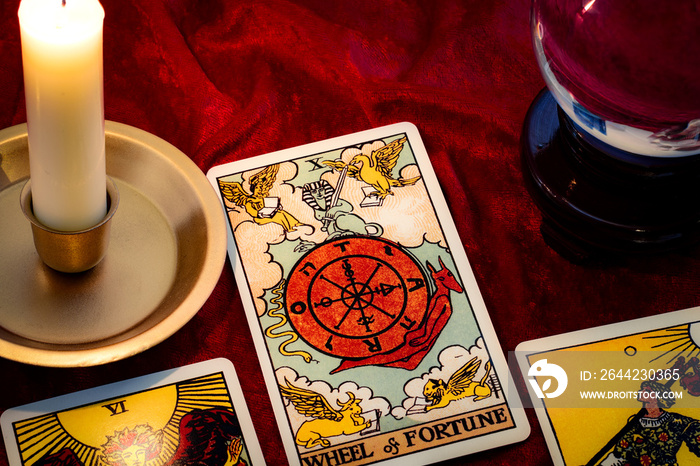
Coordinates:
(598, 201)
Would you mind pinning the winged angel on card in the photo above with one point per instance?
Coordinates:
(366, 317)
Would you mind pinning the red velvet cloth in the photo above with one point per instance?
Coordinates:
(223, 80)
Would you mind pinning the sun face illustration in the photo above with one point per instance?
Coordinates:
(628, 360)
(674, 342)
(85, 429)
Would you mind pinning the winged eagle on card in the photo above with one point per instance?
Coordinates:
(375, 169)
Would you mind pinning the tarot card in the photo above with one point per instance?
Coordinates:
(626, 393)
(373, 337)
(194, 414)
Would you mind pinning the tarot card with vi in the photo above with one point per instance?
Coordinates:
(626, 393)
(373, 337)
(194, 414)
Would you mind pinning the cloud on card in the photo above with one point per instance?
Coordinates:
(372, 407)
(254, 239)
(451, 359)
(407, 216)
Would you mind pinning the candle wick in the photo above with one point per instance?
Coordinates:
(63, 2)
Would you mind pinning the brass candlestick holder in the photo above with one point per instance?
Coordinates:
(166, 250)
(71, 251)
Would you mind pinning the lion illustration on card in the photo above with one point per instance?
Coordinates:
(460, 385)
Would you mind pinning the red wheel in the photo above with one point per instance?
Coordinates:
(356, 297)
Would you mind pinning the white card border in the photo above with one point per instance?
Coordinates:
(522, 427)
(145, 382)
(581, 337)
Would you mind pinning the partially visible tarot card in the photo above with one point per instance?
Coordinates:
(626, 393)
(194, 414)
(374, 339)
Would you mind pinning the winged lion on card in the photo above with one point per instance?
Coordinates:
(460, 385)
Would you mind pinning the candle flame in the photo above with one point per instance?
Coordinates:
(63, 2)
(587, 7)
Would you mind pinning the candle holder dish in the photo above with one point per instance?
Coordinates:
(166, 252)
(71, 251)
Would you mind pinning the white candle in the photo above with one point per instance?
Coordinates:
(62, 60)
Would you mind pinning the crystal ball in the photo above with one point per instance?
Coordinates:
(627, 72)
